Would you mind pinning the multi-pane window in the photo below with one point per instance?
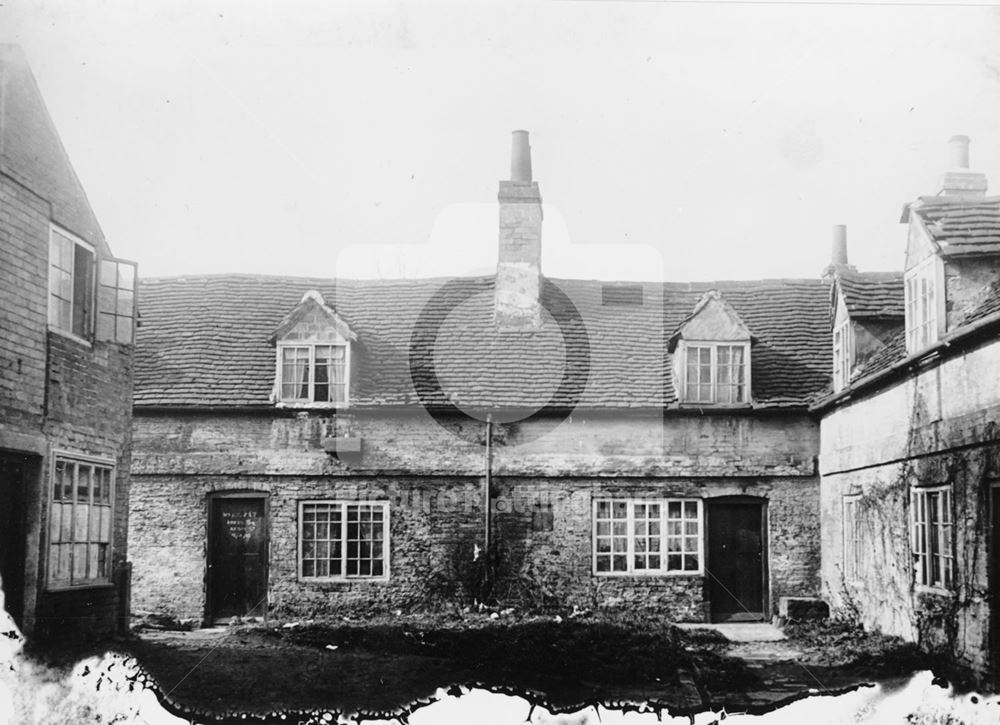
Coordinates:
(647, 536)
(72, 291)
(715, 373)
(313, 373)
(80, 519)
(852, 538)
(932, 532)
(842, 354)
(343, 540)
(921, 305)
(71, 283)
(115, 301)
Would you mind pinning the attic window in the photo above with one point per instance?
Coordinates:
(313, 373)
(715, 373)
(621, 295)
(924, 298)
(843, 354)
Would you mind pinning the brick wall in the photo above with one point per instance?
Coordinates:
(24, 221)
(56, 393)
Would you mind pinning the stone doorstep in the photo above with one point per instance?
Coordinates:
(740, 631)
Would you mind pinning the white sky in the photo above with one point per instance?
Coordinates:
(692, 140)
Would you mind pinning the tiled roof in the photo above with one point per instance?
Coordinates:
(872, 294)
(989, 305)
(31, 152)
(203, 341)
(962, 225)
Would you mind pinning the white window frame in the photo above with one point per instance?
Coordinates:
(684, 348)
(853, 547)
(55, 229)
(925, 318)
(93, 582)
(843, 354)
(310, 402)
(631, 537)
(344, 576)
(925, 547)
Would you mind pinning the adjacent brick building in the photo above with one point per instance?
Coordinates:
(910, 447)
(310, 446)
(66, 329)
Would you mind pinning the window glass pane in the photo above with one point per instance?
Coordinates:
(81, 516)
(126, 276)
(105, 534)
(55, 521)
(79, 563)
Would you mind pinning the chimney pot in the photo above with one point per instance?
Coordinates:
(838, 258)
(520, 158)
(959, 146)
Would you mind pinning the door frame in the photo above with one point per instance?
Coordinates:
(765, 550)
(16, 598)
(992, 574)
(211, 500)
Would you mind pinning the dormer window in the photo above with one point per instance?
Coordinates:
(711, 353)
(715, 373)
(843, 354)
(313, 363)
(924, 299)
(313, 373)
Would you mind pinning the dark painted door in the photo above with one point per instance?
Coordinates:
(237, 557)
(736, 561)
(994, 584)
(12, 534)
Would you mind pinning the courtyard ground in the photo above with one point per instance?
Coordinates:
(386, 666)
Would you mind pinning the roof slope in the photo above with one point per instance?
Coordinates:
(204, 341)
(32, 153)
(872, 294)
(961, 225)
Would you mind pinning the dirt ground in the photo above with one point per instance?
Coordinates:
(386, 666)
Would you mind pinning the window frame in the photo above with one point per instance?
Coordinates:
(88, 331)
(344, 577)
(843, 354)
(684, 348)
(931, 315)
(96, 462)
(852, 540)
(923, 556)
(663, 571)
(311, 402)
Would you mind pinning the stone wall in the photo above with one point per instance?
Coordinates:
(933, 428)
(544, 483)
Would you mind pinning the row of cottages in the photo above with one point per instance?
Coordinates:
(910, 443)
(66, 356)
(316, 446)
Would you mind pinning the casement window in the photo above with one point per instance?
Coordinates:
(843, 354)
(716, 373)
(75, 295)
(647, 537)
(313, 373)
(80, 521)
(924, 304)
(931, 533)
(343, 540)
(853, 551)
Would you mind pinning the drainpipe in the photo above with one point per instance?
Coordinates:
(489, 482)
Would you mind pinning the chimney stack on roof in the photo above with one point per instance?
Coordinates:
(516, 303)
(838, 254)
(958, 180)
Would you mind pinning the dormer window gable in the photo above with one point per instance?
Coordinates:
(843, 342)
(313, 356)
(711, 356)
(924, 292)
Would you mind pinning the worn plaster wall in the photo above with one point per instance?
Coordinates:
(935, 428)
(433, 477)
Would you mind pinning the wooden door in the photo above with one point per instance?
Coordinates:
(994, 584)
(237, 556)
(12, 534)
(735, 560)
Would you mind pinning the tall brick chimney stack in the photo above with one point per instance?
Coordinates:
(516, 304)
(838, 255)
(958, 180)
